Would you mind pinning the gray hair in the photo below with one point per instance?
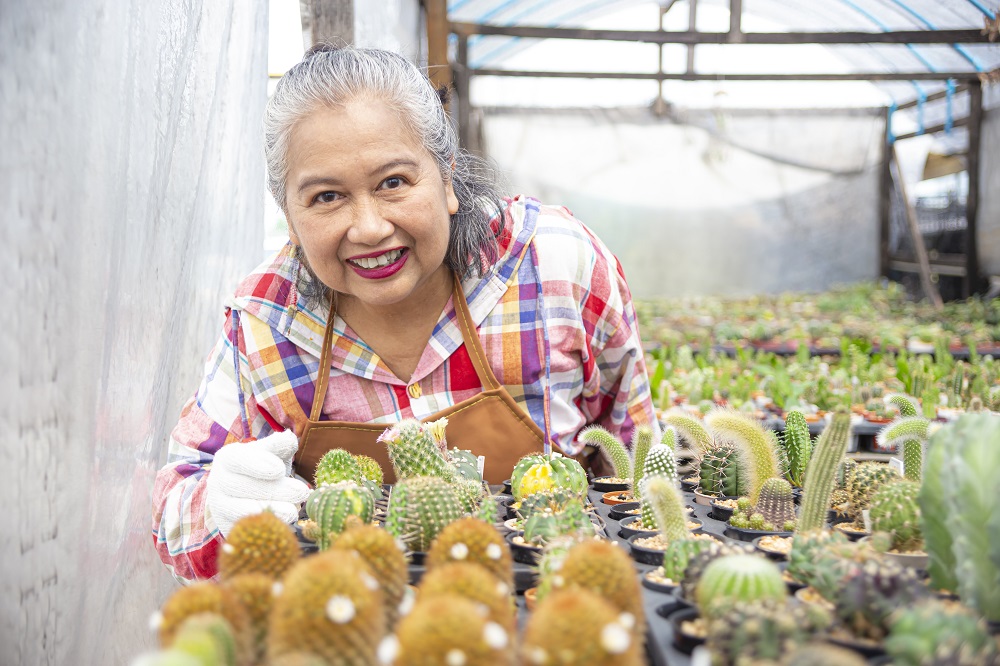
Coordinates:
(332, 76)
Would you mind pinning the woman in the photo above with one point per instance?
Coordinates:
(444, 299)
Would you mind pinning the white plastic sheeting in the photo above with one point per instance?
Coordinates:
(708, 202)
(131, 182)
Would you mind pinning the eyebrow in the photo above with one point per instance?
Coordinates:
(326, 180)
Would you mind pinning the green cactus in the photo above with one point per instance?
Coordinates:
(691, 429)
(933, 633)
(764, 631)
(335, 466)
(798, 446)
(376, 547)
(956, 387)
(699, 561)
(913, 459)
(869, 594)
(419, 508)
(906, 405)
(667, 507)
(540, 472)
(448, 629)
(722, 472)
(473, 540)
(821, 472)
(659, 463)
(894, 509)
(612, 448)
(929, 402)
(902, 429)
(823, 654)
(754, 445)
(935, 511)
(775, 503)
(209, 638)
(969, 468)
(822, 559)
(669, 438)
(414, 450)
(548, 516)
(756, 521)
(329, 506)
(975, 404)
(865, 479)
(642, 441)
(844, 471)
(738, 579)
(372, 477)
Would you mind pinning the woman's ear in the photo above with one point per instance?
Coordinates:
(449, 192)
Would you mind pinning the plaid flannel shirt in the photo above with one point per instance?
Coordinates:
(575, 347)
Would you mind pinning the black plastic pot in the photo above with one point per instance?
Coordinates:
(601, 485)
(506, 490)
(672, 606)
(835, 518)
(854, 536)
(772, 555)
(749, 535)
(792, 587)
(657, 587)
(627, 531)
(720, 513)
(417, 557)
(508, 512)
(688, 486)
(643, 554)
(684, 642)
(522, 553)
(866, 649)
(617, 511)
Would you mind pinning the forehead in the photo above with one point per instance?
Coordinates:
(361, 130)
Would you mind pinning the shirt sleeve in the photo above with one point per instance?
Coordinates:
(184, 534)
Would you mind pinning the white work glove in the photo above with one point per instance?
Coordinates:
(249, 477)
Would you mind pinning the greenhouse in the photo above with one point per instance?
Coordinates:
(502, 332)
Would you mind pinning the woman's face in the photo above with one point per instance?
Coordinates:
(367, 204)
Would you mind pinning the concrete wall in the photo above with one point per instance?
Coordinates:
(131, 189)
(989, 193)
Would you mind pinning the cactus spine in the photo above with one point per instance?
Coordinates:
(865, 479)
(546, 472)
(906, 405)
(387, 563)
(472, 540)
(798, 445)
(612, 447)
(335, 466)
(934, 634)
(659, 463)
(894, 509)
(472, 582)
(722, 472)
(691, 429)
(329, 506)
(414, 451)
(776, 505)
(753, 443)
(419, 508)
(902, 429)
(737, 579)
(668, 508)
(448, 630)
(642, 441)
(259, 543)
(821, 473)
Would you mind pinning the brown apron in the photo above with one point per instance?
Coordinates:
(490, 424)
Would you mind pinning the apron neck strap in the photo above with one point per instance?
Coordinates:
(473, 346)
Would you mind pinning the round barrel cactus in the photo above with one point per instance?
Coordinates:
(540, 472)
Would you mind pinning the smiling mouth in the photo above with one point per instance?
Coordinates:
(384, 259)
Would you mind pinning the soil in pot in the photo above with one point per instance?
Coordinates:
(521, 551)
(722, 509)
(690, 483)
(689, 629)
(655, 580)
(850, 531)
(866, 648)
(607, 484)
(629, 527)
(740, 534)
(649, 549)
(775, 547)
(618, 497)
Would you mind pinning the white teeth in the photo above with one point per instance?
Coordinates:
(381, 260)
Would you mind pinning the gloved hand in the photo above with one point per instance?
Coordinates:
(248, 477)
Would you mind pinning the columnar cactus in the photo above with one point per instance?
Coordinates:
(764, 631)
(381, 553)
(539, 473)
(738, 579)
(722, 472)
(691, 429)
(329, 507)
(337, 465)
(906, 405)
(575, 627)
(331, 606)
(472, 540)
(659, 463)
(668, 508)
(936, 634)
(798, 445)
(612, 447)
(259, 543)
(414, 451)
(448, 629)
(776, 505)
(902, 429)
(642, 441)
(753, 443)
(419, 508)
(894, 509)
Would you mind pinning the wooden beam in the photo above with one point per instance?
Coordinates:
(973, 280)
(885, 198)
(735, 22)
(939, 269)
(933, 97)
(654, 76)
(438, 69)
(462, 84)
(934, 129)
(930, 291)
(692, 28)
(972, 36)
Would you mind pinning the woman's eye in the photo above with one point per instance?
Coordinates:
(326, 197)
(392, 183)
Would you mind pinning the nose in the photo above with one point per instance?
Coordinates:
(368, 225)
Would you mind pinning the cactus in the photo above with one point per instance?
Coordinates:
(722, 472)
(760, 461)
(902, 429)
(579, 628)
(331, 606)
(756, 522)
(868, 595)
(691, 429)
(256, 592)
(936, 634)
(679, 553)
(700, 561)
(798, 445)
(329, 507)
(642, 441)
(545, 472)
(975, 404)
(209, 638)
(472, 540)
(913, 459)
(381, 553)
(894, 509)
(667, 506)
(419, 508)
(821, 559)
(335, 466)
(823, 654)
(776, 504)
(764, 631)
(559, 517)
(669, 438)
(956, 387)
(372, 477)
(297, 659)
(448, 629)
(473, 582)
(906, 405)
(607, 570)
(844, 471)
(206, 597)
(963, 465)
(259, 543)
(865, 479)
(414, 451)
(612, 448)
(659, 463)
(738, 579)
(929, 402)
